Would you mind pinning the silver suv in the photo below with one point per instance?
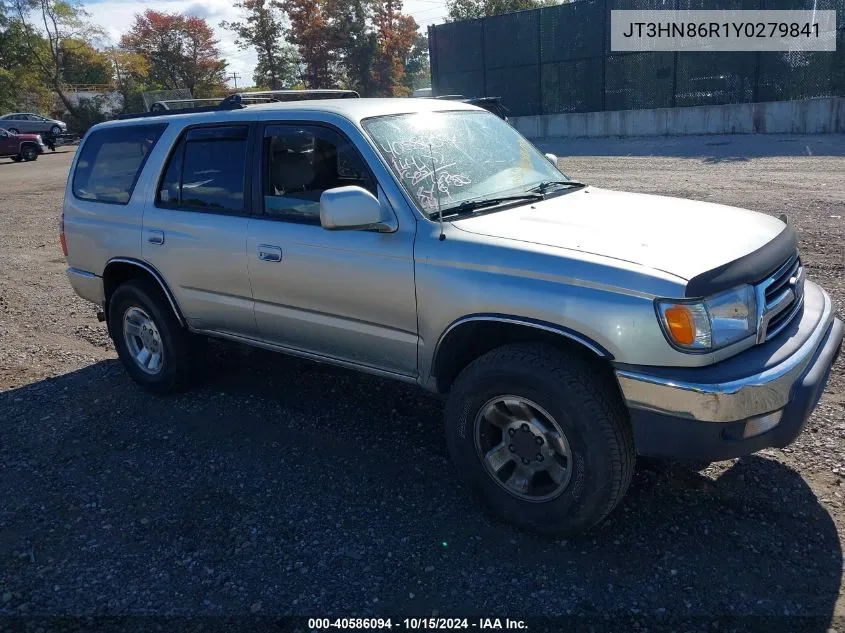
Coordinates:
(570, 328)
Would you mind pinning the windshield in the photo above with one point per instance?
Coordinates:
(469, 155)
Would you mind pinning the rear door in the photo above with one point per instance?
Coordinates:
(194, 231)
(8, 144)
(28, 124)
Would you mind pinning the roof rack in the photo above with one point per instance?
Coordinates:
(240, 100)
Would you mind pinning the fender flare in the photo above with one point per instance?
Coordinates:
(564, 332)
(155, 275)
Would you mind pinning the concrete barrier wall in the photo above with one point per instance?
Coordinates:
(808, 116)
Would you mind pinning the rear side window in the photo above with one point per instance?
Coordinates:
(207, 171)
(111, 161)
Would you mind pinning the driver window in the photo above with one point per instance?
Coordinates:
(300, 163)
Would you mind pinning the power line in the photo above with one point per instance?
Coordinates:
(234, 77)
(442, 7)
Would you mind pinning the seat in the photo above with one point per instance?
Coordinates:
(291, 172)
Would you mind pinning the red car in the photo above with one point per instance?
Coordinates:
(20, 147)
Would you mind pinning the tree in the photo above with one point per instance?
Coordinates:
(263, 28)
(58, 21)
(21, 81)
(180, 50)
(469, 9)
(130, 72)
(417, 69)
(309, 21)
(395, 35)
(84, 64)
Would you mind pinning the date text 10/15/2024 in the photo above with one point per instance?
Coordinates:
(371, 624)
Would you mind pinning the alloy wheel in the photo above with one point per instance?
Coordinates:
(143, 340)
(523, 448)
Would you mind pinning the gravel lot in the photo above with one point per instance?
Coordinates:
(279, 486)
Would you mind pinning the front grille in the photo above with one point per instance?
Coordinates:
(781, 298)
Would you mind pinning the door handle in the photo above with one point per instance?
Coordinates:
(154, 236)
(269, 253)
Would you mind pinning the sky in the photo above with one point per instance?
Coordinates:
(115, 16)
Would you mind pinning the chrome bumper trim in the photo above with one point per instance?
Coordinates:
(730, 401)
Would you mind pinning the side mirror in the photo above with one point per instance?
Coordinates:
(352, 208)
(551, 158)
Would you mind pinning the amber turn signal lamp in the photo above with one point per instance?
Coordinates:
(681, 324)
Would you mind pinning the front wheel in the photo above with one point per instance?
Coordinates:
(542, 436)
(29, 153)
(153, 347)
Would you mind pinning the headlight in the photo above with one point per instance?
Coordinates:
(712, 323)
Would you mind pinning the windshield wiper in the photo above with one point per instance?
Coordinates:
(544, 186)
(474, 205)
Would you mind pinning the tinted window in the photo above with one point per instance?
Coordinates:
(207, 171)
(111, 160)
(300, 163)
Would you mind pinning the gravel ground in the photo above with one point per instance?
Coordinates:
(249, 495)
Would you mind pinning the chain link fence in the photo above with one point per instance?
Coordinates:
(558, 59)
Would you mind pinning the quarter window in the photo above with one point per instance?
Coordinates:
(300, 163)
(207, 171)
(111, 160)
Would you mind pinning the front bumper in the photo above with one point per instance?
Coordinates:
(757, 399)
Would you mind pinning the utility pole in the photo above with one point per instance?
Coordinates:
(234, 77)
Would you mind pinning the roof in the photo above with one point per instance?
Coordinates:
(352, 109)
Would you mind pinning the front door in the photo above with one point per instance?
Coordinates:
(345, 295)
(9, 145)
(195, 232)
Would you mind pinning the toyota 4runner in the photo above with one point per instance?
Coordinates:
(570, 328)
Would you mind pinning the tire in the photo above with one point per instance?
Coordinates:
(13, 130)
(141, 299)
(29, 153)
(55, 130)
(580, 400)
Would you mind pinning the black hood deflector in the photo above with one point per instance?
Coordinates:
(748, 269)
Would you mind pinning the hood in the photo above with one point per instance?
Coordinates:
(682, 237)
(27, 137)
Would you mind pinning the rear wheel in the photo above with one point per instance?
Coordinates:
(55, 130)
(153, 347)
(542, 436)
(29, 153)
(13, 130)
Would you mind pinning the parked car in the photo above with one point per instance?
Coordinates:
(491, 104)
(29, 123)
(20, 147)
(570, 328)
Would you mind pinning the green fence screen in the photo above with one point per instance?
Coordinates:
(558, 59)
